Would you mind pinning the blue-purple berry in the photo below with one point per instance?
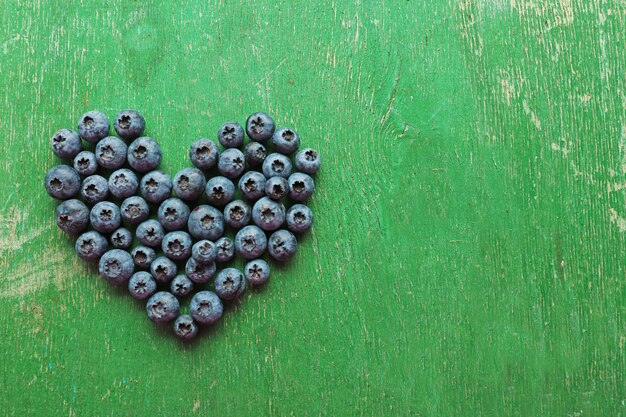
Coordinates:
(250, 242)
(231, 163)
(66, 144)
(252, 185)
(111, 152)
(62, 182)
(181, 286)
(123, 183)
(225, 249)
(199, 273)
(93, 126)
(204, 252)
(163, 269)
(282, 245)
(143, 256)
(299, 218)
(90, 246)
(72, 216)
(129, 124)
(150, 233)
(206, 307)
(276, 188)
(308, 161)
(116, 266)
(268, 214)
(230, 135)
(134, 210)
(185, 328)
(173, 214)
(259, 127)
(122, 238)
(254, 154)
(277, 165)
(95, 188)
(301, 186)
(285, 141)
(206, 222)
(177, 245)
(229, 284)
(237, 214)
(189, 183)
(85, 163)
(257, 272)
(142, 285)
(162, 307)
(144, 154)
(204, 154)
(156, 186)
(105, 217)
(219, 191)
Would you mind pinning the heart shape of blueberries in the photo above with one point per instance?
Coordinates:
(163, 236)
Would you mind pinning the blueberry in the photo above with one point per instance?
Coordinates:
(230, 135)
(177, 245)
(229, 284)
(123, 183)
(94, 189)
(204, 153)
(231, 163)
(142, 285)
(111, 152)
(237, 214)
(105, 217)
(220, 191)
(122, 238)
(204, 252)
(252, 185)
(90, 246)
(66, 144)
(286, 141)
(308, 161)
(72, 216)
(181, 286)
(206, 222)
(143, 256)
(62, 182)
(199, 273)
(282, 245)
(268, 214)
(173, 214)
(206, 307)
(276, 188)
(93, 126)
(254, 154)
(163, 269)
(277, 165)
(162, 307)
(116, 266)
(150, 233)
(156, 186)
(299, 218)
(257, 272)
(144, 154)
(85, 163)
(189, 184)
(185, 328)
(259, 127)
(301, 186)
(134, 210)
(250, 242)
(225, 249)
(129, 124)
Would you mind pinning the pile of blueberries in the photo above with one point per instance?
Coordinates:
(121, 208)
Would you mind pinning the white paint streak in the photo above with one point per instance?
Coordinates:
(531, 113)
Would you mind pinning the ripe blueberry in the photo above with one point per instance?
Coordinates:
(185, 328)
(66, 144)
(111, 152)
(177, 245)
(237, 214)
(62, 182)
(299, 218)
(90, 246)
(204, 153)
(220, 191)
(286, 141)
(252, 185)
(156, 186)
(163, 269)
(229, 284)
(231, 163)
(254, 154)
(276, 188)
(259, 127)
(122, 238)
(116, 266)
(105, 217)
(301, 186)
(72, 216)
(199, 273)
(181, 286)
(143, 256)
(206, 307)
(123, 183)
(257, 272)
(308, 161)
(204, 252)
(85, 163)
(250, 242)
(189, 184)
(230, 135)
(173, 214)
(93, 126)
(94, 189)
(268, 214)
(162, 307)
(282, 245)
(134, 210)
(150, 233)
(225, 249)
(277, 165)
(206, 222)
(142, 285)
(129, 124)
(144, 154)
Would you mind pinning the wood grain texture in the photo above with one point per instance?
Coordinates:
(470, 215)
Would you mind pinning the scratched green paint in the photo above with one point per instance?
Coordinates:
(467, 252)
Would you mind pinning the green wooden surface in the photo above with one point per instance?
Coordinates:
(470, 216)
